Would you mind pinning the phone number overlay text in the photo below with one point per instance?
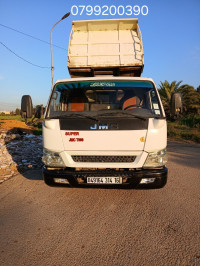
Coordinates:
(109, 10)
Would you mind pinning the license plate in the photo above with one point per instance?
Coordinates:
(104, 180)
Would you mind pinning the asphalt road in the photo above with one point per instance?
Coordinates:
(41, 225)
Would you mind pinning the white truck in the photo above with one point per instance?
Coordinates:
(105, 125)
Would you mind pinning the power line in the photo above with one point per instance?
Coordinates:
(22, 57)
(32, 36)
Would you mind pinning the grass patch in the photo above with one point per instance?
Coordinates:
(38, 129)
(179, 131)
(37, 132)
(192, 121)
(11, 117)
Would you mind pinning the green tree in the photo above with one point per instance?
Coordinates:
(166, 90)
(191, 99)
(17, 111)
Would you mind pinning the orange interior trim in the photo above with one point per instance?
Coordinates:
(77, 106)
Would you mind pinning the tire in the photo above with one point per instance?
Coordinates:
(49, 181)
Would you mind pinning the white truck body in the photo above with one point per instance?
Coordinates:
(101, 140)
(105, 45)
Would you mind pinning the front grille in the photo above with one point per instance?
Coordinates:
(103, 159)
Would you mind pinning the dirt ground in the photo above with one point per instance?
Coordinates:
(44, 225)
(15, 126)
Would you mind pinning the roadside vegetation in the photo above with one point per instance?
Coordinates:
(37, 125)
(187, 125)
(11, 117)
(38, 128)
(179, 130)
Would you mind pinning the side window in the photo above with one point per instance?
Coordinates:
(55, 102)
(154, 103)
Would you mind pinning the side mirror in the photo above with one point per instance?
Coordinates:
(176, 104)
(39, 111)
(26, 106)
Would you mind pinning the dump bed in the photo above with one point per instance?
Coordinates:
(105, 47)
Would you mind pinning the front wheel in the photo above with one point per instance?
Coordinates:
(48, 180)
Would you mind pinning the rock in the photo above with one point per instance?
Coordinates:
(7, 176)
(19, 153)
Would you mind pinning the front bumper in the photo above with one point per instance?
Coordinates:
(79, 177)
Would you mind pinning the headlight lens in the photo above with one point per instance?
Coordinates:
(156, 159)
(53, 159)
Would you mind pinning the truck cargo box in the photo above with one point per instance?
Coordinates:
(105, 47)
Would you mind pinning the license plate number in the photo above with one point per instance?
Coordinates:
(104, 180)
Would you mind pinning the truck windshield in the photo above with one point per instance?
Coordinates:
(99, 97)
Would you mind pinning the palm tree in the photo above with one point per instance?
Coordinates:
(166, 90)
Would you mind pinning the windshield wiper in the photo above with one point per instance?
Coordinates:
(74, 115)
(122, 112)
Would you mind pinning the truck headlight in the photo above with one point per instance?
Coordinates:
(156, 159)
(51, 158)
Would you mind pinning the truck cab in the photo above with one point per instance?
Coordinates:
(105, 130)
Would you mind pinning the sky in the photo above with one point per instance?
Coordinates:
(170, 32)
